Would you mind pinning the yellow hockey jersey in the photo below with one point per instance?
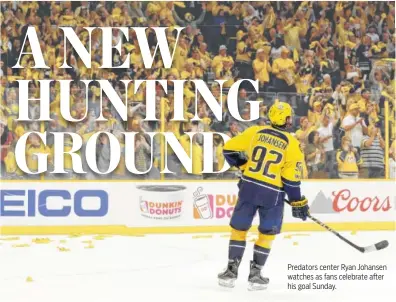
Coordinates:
(274, 163)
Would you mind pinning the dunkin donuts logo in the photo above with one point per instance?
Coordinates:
(161, 202)
(217, 206)
(160, 210)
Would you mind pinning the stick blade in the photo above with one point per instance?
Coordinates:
(381, 245)
(376, 247)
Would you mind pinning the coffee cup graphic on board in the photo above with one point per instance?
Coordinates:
(202, 204)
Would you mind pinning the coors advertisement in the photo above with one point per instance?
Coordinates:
(351, 200)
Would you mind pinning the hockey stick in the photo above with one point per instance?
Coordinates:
(371, 248)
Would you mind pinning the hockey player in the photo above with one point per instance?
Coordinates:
(271, 161)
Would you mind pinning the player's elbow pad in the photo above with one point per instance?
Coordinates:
(292, 189)
(235, 158)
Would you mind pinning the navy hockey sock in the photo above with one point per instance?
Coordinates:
(260, 255)
(262, 248)
(236, 249)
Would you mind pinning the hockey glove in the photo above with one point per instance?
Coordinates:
(235, 158)
(300, 208)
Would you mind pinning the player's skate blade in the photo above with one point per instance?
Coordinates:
(228, 277)
(230, 283)
(252, 286)
(256, 280)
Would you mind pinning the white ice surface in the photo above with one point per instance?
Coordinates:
(180, 268)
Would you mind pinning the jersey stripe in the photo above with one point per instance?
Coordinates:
(291, 183)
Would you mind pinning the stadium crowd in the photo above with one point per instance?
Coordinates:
(334, 62)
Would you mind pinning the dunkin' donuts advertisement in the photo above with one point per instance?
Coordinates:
(161, 202)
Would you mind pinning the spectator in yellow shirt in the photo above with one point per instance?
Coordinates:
(295, 29)
(364, 100)
(167, 12)
(243, 58)
(136, 58)
(284, 70)
(196, 155)
(199, 64)
(181, 54)
(189, 72)
(348, 159)
(225, 73)
(19, 130)
(221, 58)
(305, 129)
(204, 54)
(262, 69)
(11, 167)
(256, 28)
(315, 115)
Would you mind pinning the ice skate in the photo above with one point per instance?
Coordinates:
(256, 280)
(230, 274)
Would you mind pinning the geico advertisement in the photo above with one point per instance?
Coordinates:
(53, 204)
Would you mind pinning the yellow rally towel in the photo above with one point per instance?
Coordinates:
(350, 44)
(179, 4)
(324, 63)
(296, 57)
